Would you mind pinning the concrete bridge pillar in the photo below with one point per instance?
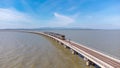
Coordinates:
(73, 52)
(87, 61)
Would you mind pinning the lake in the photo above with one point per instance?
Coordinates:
(27, 50)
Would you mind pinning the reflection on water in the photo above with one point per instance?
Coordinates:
(25, 50)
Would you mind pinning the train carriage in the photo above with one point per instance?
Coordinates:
(60, 36)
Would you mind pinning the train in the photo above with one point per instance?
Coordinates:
(60, 36)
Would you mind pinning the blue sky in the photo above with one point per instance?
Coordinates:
(98, 14)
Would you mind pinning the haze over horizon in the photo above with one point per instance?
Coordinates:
(96, 14)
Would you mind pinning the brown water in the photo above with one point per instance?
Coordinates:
(25, 50)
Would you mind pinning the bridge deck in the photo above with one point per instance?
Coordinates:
(103, 58)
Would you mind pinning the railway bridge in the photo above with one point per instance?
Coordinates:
(89, 55)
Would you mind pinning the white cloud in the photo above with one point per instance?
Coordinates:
(12, 15)
(11, 18)
(60, 20)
